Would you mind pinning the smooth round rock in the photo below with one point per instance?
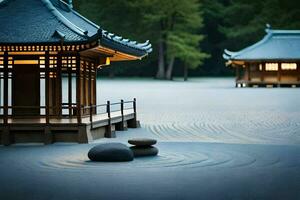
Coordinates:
(142, 142)
(111, 152)
(144, 151)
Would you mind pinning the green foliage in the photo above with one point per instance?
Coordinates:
(189, 28)
(245, 20)
(185, 46)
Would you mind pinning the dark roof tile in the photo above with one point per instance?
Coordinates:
(276, 45)
(50, 21)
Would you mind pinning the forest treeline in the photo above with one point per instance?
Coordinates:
(189, 36)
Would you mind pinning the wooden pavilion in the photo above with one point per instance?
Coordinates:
(272, 62)
(49, 56)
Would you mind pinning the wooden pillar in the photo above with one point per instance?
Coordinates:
(82, 99)
(90, 95)
(6, 137)
(248, 71)
(90, 88)
(262, 73)
(237, 72)
(298, 71)
(78, 89)
(47, 85)
(58, 88)
(5, 85)
(279, 75)
(70, 91)
(95, 88)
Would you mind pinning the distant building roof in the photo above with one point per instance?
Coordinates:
(276, 45)
(53, 21)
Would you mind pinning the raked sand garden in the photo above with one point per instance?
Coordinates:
(215, 142)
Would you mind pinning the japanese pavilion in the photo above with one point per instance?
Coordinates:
(272, 62)
(49, 56)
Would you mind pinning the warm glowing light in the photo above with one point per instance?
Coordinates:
(107, 61)
(288, 66)
(271, 66)
(26, 53)
(26, 62)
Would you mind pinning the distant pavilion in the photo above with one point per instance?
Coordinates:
(46, 49)
(272, 62)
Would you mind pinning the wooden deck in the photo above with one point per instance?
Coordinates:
(246, 83)
(66, 129)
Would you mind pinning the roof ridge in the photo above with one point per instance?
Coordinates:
(283, 32)
(63, 19)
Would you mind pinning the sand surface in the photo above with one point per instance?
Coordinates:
(215, 141)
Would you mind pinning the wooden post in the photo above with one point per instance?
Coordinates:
(298, 70)
(84, 86)
(133, 123)
(262, 73)
(47, 86)
(70, 91)
(237, 73)
(6, 137)
(122, 112)
(134, 108)
(91, 116)
(78, 89)
(5, 85)
(279, 75)
(108, 132)
(121, 125)
(95, 89)
(90, 88)
(59, 85)
(248, 72)
(90, 95)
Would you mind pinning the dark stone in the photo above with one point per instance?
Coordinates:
(144, 151)
(110, 152)
(142, 142)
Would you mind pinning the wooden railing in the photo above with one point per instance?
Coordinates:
(93, 110)
(109, 110)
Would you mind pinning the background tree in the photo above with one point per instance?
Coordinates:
(177, 28)
(178, 24)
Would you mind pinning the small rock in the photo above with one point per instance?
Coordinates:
(142, 142)
(144, 151)
(110, 152)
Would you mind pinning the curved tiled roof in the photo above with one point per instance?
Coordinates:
(276, 45)
(53, 21)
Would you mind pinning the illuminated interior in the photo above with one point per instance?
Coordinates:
(271, 66)
(289, 66)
